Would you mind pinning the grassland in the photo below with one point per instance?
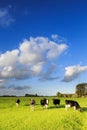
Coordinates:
(21, 118)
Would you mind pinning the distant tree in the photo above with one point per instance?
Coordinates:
(26, 95)
(59, 94)
(81, 89)
(36, 95)
(31, 95)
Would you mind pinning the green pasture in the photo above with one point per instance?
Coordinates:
(54, 118)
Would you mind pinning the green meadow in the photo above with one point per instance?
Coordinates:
(53, 118)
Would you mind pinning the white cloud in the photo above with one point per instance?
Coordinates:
(1, 80)
(48, 74)
(29, 59)
(37, 68)
(9, 58)
(39, 49)
(17, 87)
(56, 50)
(54, 36)
(5, 17)
(72, 72)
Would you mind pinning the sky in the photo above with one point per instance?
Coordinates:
(43, 46)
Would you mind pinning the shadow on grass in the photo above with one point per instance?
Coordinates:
(27, 104)
(84, 109)
(54, 107)
(3, 107)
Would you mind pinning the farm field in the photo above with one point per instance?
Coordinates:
(54, 118)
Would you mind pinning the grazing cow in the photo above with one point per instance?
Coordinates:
(71, 103)
(32, 104)
(56, 102)
(17, 102)
(44, 102)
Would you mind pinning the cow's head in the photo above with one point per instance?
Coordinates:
(80, 109)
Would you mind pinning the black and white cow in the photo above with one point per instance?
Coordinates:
(71, 103)
(17, 102)
(44, 102)
(32, 104)
(56, 102)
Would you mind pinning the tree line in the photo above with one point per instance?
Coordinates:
(81, 91)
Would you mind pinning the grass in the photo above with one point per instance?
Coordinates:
(21, 118)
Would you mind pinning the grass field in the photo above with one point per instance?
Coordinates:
(21, 118)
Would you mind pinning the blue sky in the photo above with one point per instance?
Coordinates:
(43, 46)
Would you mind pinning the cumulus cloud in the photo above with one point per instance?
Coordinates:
(5, 17)
(72, 72)
(2, 87)
(2, 83)
(48, 75)
(29, 59)
(58, 38)
(1, 80)
(55, 50)
(14, 87)
(54, 36)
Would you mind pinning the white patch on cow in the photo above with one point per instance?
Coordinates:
(47, 101)
(67, 106)
(17, 104)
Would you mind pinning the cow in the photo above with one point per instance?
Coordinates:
(32, 104)
(17, 102)
(56, 102)
(71, 103)
(44, 102)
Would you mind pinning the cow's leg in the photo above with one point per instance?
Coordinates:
(17, 104)
(46, 106)
(32, 107)
(74, 107)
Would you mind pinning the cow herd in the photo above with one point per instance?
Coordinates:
(68, 103)
(45, 102)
